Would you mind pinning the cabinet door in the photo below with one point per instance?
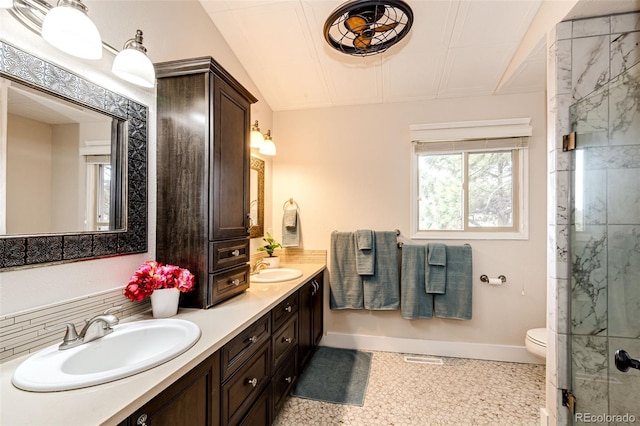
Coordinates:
(305, 344)
(192, 400)
(317, 309)
(231, 154)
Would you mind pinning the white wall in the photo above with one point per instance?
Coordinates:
(172, 30)
(348, 168)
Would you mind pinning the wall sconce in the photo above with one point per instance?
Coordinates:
(132, 63)
(257, 140)
(269, 148)
(68, 27)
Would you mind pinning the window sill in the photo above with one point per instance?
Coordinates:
(462, 235)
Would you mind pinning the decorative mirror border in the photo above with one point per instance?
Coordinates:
(257, 230)
(42, 249)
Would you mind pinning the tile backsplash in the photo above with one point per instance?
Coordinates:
(29, 331)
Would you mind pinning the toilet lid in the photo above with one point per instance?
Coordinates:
(538, 336)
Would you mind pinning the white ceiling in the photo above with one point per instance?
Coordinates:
(456, 48)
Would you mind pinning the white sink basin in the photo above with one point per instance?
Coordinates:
(131, 348)
(276, 275)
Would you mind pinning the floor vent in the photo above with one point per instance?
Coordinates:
(423, 360)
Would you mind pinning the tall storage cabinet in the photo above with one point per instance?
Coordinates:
(203, 160)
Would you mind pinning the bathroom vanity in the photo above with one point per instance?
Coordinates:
(265, 333)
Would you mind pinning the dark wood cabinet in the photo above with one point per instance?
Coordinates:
(311, 314)
(203, 160)
(192, 400)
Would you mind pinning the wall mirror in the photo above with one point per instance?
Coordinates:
(74, 159)
(256, 198)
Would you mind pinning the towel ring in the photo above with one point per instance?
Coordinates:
(290, 201)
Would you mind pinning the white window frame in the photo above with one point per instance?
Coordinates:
(469, 130)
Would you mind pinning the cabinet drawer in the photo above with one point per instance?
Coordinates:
(260, 413)
(285, 310)
(284, 341)
(245, 344)
(227, 284)
(225, 254)
(283, 381)
(245, 385)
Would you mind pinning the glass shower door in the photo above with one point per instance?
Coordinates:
(605, 252)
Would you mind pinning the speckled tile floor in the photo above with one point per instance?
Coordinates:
(459, 392)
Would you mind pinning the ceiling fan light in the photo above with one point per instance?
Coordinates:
(133, 65)
(68, 27)
(268, 148)
(257, 139)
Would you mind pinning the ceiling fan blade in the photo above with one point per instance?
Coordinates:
(356, 24)
(385, 27)
(362, 42)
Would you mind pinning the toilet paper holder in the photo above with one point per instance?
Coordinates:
(486, 279)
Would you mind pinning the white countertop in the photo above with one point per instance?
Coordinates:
(110, 403)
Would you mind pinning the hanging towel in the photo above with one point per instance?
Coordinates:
(415, 302)
(382, 289)
(290, 227)
(365, 252)
(345, 283)
(436, 268)
(456, 302)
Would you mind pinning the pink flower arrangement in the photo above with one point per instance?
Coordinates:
(152, 275)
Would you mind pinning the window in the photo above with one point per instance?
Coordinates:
(469, 188)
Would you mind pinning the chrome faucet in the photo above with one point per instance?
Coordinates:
(94, 328)
(259, 265)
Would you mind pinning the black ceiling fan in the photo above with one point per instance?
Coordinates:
(367, 27)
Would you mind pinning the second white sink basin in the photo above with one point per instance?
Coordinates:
(131, 348)
(276, 275)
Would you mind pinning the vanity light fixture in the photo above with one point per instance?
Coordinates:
(68, 27)
(257, 139)
(133, 65)
(269, 148)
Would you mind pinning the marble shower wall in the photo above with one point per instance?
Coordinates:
(594, 237)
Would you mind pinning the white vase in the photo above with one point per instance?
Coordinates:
(274, 261)
(164, 302)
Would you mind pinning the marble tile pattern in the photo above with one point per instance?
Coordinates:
(459, 392)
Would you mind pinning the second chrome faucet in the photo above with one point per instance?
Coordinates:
(94, 328)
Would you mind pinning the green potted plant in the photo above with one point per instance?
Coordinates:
(272, 244)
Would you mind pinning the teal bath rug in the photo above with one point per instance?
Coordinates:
(339, 376)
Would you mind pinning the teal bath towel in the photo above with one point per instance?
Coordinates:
(291, 228)
(382, 289)
(456, 302)
(415, 302)
(436, 268)
(365, 252)
(345, 283)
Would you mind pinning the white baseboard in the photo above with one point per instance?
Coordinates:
(430, 347)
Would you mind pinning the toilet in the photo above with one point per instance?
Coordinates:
(536, 342)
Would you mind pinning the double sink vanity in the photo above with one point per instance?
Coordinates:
(247, 358)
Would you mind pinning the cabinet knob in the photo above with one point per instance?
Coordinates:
(253, 339)
(287, 339)
(236, 252)
(235, 282)
(142, 420)
(288, 379)
(288, 308)
(253, 382)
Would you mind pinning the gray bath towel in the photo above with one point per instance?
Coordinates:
(365, 252)
(415, 302)
(382, 289)
(436, 268)
(346, 284)
(290, 228)
(456, 302)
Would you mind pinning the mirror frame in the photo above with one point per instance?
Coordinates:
(45, 249)
(257, 230)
